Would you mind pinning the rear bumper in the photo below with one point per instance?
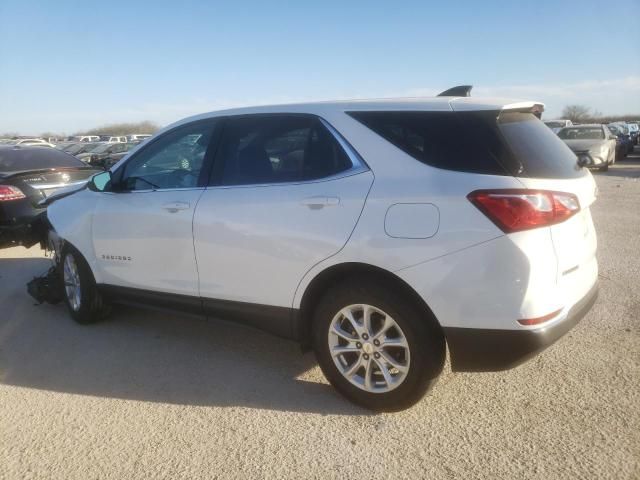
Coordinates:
(484, 350)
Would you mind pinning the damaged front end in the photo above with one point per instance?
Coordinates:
(48, 287)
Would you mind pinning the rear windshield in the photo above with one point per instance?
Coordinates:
(487, 142)
(36, 158)
(581, 133)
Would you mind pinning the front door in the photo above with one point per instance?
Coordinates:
(142, 229)
(285, 195)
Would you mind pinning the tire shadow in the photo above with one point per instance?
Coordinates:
(150, 356)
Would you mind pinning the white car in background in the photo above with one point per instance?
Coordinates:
(375, 232)
(85, 138)
(557, 125)
(139, 137)
(33, 142)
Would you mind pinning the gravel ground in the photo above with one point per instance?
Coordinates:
(149, 395)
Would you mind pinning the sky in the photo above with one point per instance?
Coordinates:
(67, 66)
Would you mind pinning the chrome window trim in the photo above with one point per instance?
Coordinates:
(152, 190)
(337, 176)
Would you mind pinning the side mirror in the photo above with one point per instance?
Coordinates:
(100, 182)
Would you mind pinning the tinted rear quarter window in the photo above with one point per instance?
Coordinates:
(485, 142)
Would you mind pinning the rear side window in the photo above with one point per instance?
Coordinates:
(485, 142)
(258, 149)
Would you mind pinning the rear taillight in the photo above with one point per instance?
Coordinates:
(9, 192)
(514, 210)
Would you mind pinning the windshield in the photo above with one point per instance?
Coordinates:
(593, 133)
(74, 148)
(554, 124)
(82, 148)
(17, 159)
(101, 148)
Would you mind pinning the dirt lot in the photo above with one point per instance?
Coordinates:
(148, 395)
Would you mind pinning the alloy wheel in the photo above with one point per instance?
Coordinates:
(71, 279)
(369, 348)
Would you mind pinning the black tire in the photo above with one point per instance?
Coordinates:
(604, 168)
(92, 307)
(423, 334)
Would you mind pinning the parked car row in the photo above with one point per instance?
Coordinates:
(28, 175)
(98, 154)
(597, 145)
(135, 137)
(54, 141)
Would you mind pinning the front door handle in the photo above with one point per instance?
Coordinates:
(173, 207)
(320, 201)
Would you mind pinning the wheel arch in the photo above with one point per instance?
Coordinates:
(339, 273)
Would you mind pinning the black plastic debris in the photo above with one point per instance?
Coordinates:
(46, 288)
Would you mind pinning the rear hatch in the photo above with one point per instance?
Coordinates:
(541, 161)
(496, 138)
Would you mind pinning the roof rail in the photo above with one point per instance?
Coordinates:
(459, 91)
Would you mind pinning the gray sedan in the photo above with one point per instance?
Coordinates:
(594, 145)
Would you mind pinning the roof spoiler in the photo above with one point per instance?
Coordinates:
(459, 91)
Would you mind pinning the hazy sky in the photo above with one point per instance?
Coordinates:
(68, 65)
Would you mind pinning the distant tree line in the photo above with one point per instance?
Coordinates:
(584, 114)
(115, 129)
(122, 129)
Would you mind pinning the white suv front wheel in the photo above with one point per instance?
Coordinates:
(81, 295)
(375, 346)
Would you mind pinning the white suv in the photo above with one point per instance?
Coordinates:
(376, 232)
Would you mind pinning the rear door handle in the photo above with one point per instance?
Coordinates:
(320, 201)
(173, 207)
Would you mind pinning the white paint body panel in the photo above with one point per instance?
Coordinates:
(412, 220)
(254, 243)
(158, 241)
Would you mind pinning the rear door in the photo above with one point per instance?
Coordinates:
(286, 194)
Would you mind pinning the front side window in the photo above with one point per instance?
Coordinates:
(175, 160)
(259, 149)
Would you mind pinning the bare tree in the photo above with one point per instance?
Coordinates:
(577, 113)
